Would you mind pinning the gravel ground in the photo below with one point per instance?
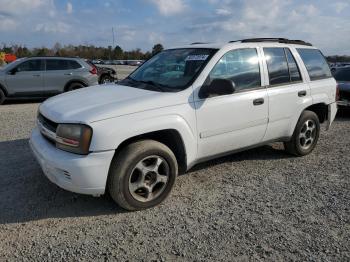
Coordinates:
(260, 204)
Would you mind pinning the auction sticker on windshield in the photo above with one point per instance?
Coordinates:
(196, 58)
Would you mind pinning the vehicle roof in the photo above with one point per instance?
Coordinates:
(238, 44)
(255, 42)
(53, 57)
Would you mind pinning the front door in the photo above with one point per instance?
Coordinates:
(27, 78)
(229, 122)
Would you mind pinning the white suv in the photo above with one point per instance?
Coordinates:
(184, 106)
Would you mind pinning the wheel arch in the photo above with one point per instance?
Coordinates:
(169, 137)
(320, 109)
(3, 89)
(103, 75)
(74, 81)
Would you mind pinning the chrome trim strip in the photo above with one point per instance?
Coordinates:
(46, 132)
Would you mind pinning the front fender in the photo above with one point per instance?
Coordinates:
(110, 133)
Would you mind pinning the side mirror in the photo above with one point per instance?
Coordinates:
(217, 87)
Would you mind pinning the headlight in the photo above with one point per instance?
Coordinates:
(74, 138)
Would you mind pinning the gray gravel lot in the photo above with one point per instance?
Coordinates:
(260, 204)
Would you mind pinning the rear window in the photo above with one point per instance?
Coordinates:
(342, 75)
(315, 63)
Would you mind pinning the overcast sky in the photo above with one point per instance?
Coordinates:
(142, 23)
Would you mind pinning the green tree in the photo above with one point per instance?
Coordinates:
(118, 52)
(157, 48)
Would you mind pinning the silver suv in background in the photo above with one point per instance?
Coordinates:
(44, 76)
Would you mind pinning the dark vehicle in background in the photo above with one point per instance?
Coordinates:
(342, 76)
(105, 74)
(38, 77)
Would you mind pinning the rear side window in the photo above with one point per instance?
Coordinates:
(315, 63)
(73, 64)
(282, 66)
(56, 64)
(240, 66)
(293, 67)
(342, 75)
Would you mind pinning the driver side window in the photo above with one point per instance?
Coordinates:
(241, 66)
(29, 66)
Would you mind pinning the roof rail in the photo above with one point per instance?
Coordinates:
(277, 40)
(198, 43)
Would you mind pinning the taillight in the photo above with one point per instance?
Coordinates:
(337, 94)
(93, 70)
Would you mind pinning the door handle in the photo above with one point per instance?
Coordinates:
(302, 93)
(258, 101)
(36, 75)
(68, 74)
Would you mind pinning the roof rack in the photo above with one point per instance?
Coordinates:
(277, 40)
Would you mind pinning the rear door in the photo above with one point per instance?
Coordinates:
(58, 73)
(288, 93)
(27, 78)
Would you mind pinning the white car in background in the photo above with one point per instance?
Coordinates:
(134, 138)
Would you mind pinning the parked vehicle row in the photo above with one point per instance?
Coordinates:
(118, 62)
(337, 66)
(182, 107)
(38, 77)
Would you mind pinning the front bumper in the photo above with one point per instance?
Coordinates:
(80, 174)
(343, 103)
(332, 112)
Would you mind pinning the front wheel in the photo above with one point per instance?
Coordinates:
(142, 175)
(106, 79)
(305, 135)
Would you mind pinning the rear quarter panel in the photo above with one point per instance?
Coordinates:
(323, 91)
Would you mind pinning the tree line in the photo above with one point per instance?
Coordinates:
(105, 53)
(83, 51)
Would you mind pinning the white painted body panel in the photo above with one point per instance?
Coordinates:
(208, 127)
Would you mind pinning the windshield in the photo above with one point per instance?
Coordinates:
(170, 70)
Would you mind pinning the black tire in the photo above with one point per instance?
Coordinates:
(74, 86)
(304, 140)
(2, 97)
(105, 79)
(123, 168)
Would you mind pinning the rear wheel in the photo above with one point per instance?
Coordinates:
(142, 175)
(2, 97)
(305, 135)
(74, 86)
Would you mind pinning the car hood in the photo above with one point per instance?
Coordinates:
(97, 103)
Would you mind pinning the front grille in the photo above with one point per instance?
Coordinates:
(344, 95)
(47, 123)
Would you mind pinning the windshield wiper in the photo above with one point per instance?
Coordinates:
(157, 86)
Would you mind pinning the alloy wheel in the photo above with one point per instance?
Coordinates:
(149, 178)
